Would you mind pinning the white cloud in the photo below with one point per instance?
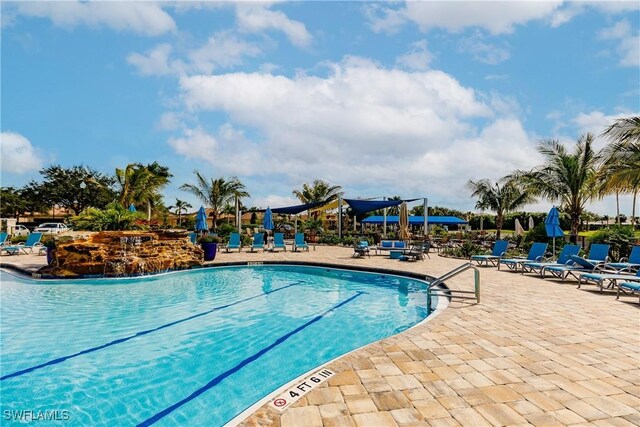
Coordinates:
(628, 42)
(483, 52)
(418, 58)
(256, 17)
(596, 121)
(355, 125)
(170, 121)
(495, 17)
(145, 18)
(221, 50)
(18, 155)
(156, 61)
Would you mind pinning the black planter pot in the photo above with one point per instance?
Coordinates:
(50, 254)
(210, 250)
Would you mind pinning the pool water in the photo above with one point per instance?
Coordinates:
(189, 348)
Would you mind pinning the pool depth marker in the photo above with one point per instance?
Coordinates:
(139, 334)
(217, 380)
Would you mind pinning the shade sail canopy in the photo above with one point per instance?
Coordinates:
(296, 209)
(327, 206)
(416, 220)
(363, 206)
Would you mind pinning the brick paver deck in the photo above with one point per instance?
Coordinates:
(534, 352)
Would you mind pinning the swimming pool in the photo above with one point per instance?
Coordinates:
(195, 347)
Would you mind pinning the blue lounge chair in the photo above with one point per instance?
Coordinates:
(234, 242)
(563, 259)
(536, 253)
(258, 241)
(598, 255)
(361, 248)
(632, 263)
(278, 241)
(628, 287)
(299, 242)
(600, 277)
(3, 238)
(33, 241)
(499, 250)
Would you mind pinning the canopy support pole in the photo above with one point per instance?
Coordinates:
(384, 222)
(340, 216)
(426, 218)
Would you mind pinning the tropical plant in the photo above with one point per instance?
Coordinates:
(620, 170)
(209, 239)
(113, 217)
(216, 193)
(319, 191)
(501, 197)
(620, 239)
(141, 185)
(568, 178)
(178, 208)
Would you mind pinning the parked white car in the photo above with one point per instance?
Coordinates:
(51, 228)
(19, 230)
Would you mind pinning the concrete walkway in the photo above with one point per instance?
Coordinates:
(534, 352)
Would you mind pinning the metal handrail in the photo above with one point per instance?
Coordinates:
(460, 269)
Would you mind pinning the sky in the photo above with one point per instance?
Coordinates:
(382, 98)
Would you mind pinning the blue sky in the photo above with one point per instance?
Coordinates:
(382, 98)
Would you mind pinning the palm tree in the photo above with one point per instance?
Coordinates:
(141, 184)
(620, 170)
(319, 191)
(568, 178)
(216, 193)
(179, 207)
(502, 197)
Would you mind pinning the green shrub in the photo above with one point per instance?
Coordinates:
(18, 239)
(330, 239)
(246, 240)
(225, 229)
(209, 239)
(113, 217)
(620, 238)
(466, 250)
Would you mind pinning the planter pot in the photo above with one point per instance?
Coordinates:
(210, 250)
(50, 252)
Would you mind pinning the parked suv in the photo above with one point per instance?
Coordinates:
(19, 230)
(51, 228)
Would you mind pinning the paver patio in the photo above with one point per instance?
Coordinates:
(533, 352)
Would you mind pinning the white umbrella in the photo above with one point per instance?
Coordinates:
(531, 224)
(519, 229)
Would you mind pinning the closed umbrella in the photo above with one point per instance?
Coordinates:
(404, 222)
(267, 220)
(132, 208)
(531, 223)
(201, 220)
(552, 225)
(519, 228)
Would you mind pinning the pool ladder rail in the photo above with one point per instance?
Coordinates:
(436, 290)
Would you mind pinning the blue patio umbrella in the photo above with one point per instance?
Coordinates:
(132, 208)
(267, 220)
(201, 220)
(552, 225)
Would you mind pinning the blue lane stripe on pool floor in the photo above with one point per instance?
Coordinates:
(139, 334)
(217, 380)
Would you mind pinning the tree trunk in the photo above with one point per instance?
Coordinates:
(148, 210)
(575, 226)
(180, 218)
(617, 207)
(633, 209)
(499, 223)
